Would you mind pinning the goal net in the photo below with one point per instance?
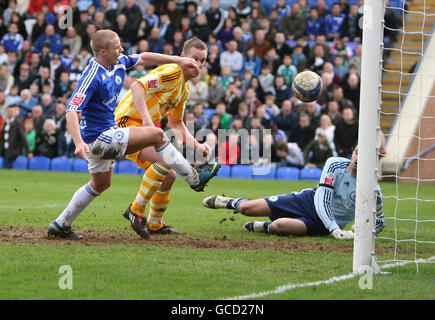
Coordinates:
(398, 89)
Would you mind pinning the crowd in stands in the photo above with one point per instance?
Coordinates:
(254, 54)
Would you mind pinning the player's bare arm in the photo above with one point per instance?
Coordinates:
(200, 148)
(73, 126)
(151, 59)
(138, 95)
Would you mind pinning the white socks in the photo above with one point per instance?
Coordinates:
(175, 160)
(80, 200)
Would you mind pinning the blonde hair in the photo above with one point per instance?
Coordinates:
(194, 43)
(101, 39)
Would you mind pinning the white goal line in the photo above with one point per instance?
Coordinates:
(288, 287)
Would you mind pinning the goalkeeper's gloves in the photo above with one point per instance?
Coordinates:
(342, 235)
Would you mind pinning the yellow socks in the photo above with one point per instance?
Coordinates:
(151, 181)
(158, 204)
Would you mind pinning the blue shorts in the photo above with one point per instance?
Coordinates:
(298, 205)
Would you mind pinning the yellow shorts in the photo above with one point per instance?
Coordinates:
(124, 122)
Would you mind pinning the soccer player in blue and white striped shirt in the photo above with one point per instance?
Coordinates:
(91, 123)
(325, 209)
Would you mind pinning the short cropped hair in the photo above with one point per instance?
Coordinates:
(101, 39)
(194, 43)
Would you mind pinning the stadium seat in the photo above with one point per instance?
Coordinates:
(241, 171)
(287, 173)
(127, 167)
(39, 163)
(80, 165)
(263, 172)
(1, 162)
(20, 163)
(310, 173)
(224, 171)
(61, 164)
(209, 112)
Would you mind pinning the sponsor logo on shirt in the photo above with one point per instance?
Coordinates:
(152, 84)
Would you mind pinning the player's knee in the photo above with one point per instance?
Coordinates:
(158, 136)
(276, 227)
(245, 208)
(169, 179)
(100, 187)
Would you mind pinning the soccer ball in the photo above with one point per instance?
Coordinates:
(307, 86)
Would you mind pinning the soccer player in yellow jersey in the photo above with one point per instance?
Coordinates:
(163, 91)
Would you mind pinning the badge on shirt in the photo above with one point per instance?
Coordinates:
(77, 100)
(329, 180)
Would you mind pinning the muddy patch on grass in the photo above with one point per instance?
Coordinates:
(34, 236)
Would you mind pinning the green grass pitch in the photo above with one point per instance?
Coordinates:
(213, 258)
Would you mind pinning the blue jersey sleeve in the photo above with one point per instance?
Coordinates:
(85, 89)
(129, 61)
(325, 191)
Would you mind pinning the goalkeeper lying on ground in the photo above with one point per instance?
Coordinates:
(325, 209)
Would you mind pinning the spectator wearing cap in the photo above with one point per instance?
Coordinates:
(12, 41)
(50, 37)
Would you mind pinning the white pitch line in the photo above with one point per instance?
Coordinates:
(288, 287)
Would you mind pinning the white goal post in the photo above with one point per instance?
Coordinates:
(370, 101)
(400, 92)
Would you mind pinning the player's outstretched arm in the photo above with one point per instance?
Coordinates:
(153, 59)
(72, 124)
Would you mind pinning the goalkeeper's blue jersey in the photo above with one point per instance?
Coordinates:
(96, 96)
(334, 199)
